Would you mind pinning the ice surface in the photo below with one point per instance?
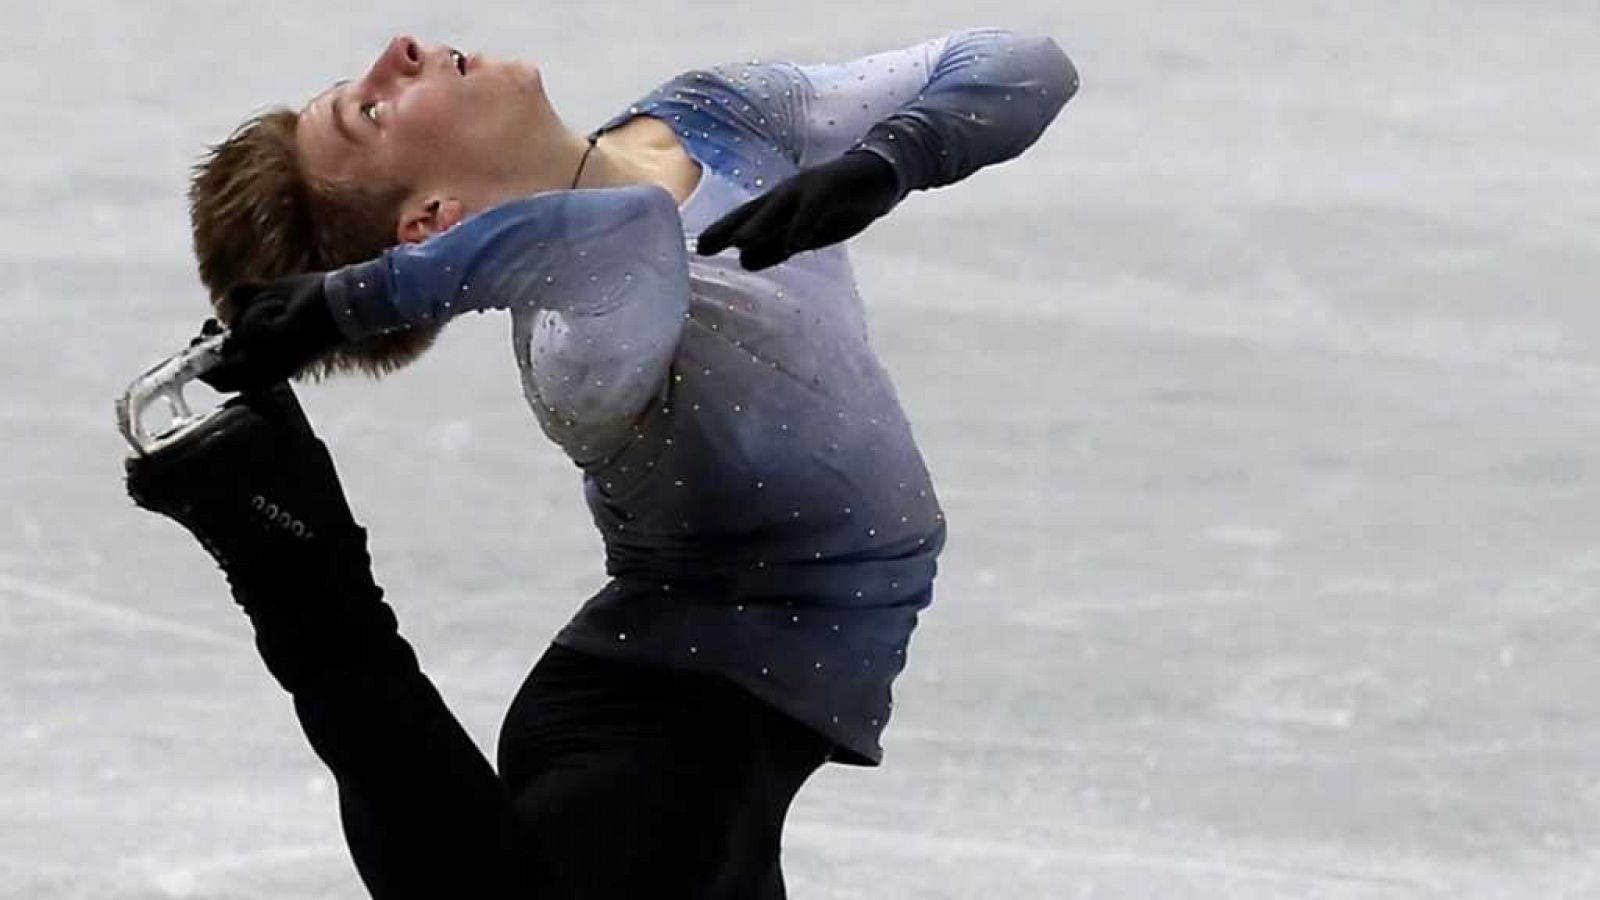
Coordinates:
(1260, 393)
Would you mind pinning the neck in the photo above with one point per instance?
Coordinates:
(606, 165)
(550, 160)
(611, 163)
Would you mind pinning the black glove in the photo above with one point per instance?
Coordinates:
(816, 207)
(258, 488)
(279, 328)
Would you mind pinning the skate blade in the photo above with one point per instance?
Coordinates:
(164, 383)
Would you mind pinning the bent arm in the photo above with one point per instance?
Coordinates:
(583, 253)
(938, 110)
(598, 284)
(990, 96)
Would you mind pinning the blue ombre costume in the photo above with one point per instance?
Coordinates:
(766, 513)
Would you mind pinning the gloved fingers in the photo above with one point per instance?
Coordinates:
(250, 354)
(210, 328)
(232, 373)
(764, 237)
(720, 234)
(808, 220)
(764, 258)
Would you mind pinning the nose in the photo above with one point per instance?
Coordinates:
(401, 58)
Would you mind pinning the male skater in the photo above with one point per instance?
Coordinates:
(770, 528)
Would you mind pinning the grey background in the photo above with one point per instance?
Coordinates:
(1260, 393)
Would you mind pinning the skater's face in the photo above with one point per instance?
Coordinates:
(424, 117)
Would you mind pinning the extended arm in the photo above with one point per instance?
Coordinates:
(866, 132)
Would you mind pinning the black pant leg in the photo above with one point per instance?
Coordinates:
(424, 813)
(633, 781)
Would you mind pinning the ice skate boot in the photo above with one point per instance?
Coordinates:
(258, 489)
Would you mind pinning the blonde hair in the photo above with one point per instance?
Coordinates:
(257, 216)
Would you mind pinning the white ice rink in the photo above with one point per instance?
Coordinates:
(1262, 395)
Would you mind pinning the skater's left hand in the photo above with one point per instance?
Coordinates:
(280, 327)
(818, 206)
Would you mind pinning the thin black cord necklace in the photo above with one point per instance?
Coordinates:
(592, 139)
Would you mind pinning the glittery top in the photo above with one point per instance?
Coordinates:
(766, 513)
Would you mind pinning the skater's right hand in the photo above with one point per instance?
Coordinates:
(279, 328)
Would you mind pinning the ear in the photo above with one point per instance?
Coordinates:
(426, 215)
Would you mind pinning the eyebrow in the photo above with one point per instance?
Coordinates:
(338, 120)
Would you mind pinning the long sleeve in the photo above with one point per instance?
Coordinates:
(582, 252)
(938, 110)
(597, 281)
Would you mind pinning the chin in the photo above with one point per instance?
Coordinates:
(528, 75)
